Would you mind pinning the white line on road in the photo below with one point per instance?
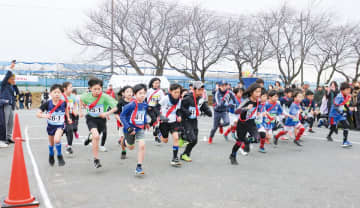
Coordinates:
(40, 183)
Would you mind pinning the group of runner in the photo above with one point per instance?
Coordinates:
(251, 115)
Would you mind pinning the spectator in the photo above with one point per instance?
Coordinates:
(270, 87)
(28, 100)
(306, 87)
(110, 91)
(44, 97)
(21, 100)
(8, 94)
(319, 94)
(356, 104)
(191, 87)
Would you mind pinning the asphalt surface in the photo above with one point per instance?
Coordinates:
(320, 174)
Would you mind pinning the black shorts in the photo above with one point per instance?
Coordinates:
(97, 123)
(165, 128)
(130, 139)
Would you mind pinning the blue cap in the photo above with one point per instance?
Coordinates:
(223, 82)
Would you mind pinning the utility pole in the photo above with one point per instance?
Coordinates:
(112, 38)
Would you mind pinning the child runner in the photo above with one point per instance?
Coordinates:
(72, 106)
(259, 121)
(221, 103)
(246, 123)
(292, 122)
(126, 96)
(96, 103)
(308, 105)
(273, 111)
(338, 115)
(133, 117)
(191, 106)
(170, 110)
(154, 95)
(233, 117)
(56, 112)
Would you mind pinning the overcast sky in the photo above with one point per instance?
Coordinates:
(37, 30)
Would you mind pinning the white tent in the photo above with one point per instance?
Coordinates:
(119, 81)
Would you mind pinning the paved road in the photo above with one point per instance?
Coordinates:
(320, 174)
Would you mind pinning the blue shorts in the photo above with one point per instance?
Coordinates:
(51, 129)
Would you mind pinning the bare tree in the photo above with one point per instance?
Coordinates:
(201, 43)
(158, 23)
(249, 43)
(292, 36)
(340, 40)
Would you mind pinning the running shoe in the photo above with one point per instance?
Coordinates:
(88, 140)
(123, 155)
(175, 162)
(139, 171)
(233, 160)
(102, 149)
(61, 160)
(297, 143)
(76, 135)
(262, 150)
(243, 152)
(221, 129)
(69, 150)
(276, 140)
(3, 144)
(210, 140)
(346, 144)
(311, 131)
(157, 140)
(97, 163)
(186, 158)
(51, 160)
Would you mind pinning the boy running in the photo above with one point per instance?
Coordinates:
(153, 97)
(133, 117)
(170, 110)
(191, 106)
(55, 112)
(96, 103)
(338, 114)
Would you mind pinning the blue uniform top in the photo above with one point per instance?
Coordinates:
(222, 100)
(337, 107)
(131, 120)
(274, 110)
(236, 104)
(58, 116)
(293, 111)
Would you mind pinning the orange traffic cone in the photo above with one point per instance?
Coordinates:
(17, 131)
(19, 191)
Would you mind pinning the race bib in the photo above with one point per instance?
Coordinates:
(140, 118)
(96, 111)
(57, 118)
(154, 100)
(193, 112)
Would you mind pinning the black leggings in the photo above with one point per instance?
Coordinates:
(70, 129)
(346, 126)
(242, 129)
(191, 134)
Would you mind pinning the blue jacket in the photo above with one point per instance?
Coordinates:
(8, 92)
(128, 113)
(222, 100)
(337, 108)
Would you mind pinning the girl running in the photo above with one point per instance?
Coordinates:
(154, 95)
(246, 123)
(126, 96)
